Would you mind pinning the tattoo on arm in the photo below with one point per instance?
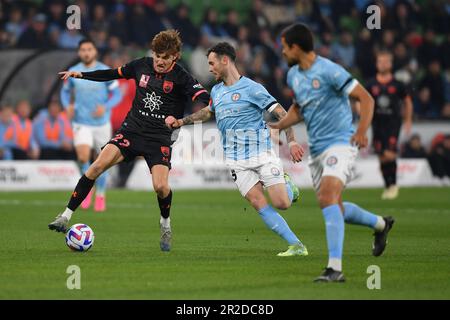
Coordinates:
(280, 113)
(202, 115)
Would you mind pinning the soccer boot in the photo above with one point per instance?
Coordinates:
(330, 275)
(100, 204)
(379, 244)
(166, 238)
(294, 250)
(294, 188)
(60, 224)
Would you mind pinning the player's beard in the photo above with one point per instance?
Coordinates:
(88, 61)
(290, 61)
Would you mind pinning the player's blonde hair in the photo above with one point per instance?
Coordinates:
(167, 41)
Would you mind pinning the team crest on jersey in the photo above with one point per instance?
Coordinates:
(316, 84)
(167, 86)
(235, 96)
(331, 161)
(144, 80)
(275, 171)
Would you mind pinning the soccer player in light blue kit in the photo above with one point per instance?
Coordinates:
(90, 112)
(322, 90)
(238, 104)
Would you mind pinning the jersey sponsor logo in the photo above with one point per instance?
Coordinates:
(165, 151)
(331, 161)
(316, 84)
(235, 96)
(152, 101)
(167, 86)
(144, 80)
(197, 86)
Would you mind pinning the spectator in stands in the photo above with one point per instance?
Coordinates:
(15, 25)
(429, 50)
(257, 19)
(211, 25)
(6, 115)
(231, 24)
(118, 26)
(198, 62)
(20, 134)
(69, 39)
(36, 36)
(343, 52)
(413, 148)
(182, 22)
(53, 133)
(440, 157)
(364, 54)
(434, 83)
(140, 31)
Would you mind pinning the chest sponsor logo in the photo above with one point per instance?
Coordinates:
(152, 101)
(144, 80)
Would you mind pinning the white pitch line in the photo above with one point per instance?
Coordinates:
(44, 203)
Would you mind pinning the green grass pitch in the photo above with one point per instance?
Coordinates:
(221, 249)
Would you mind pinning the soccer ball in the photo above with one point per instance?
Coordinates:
(80, 237)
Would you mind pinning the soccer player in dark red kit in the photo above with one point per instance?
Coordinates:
(390, 96)
(162, 88)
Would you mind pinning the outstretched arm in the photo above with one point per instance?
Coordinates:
(202, 115)
(295, 149)
(292, 117)
(97, 75)
(366, 113)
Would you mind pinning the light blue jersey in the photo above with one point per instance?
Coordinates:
(89, 94)
(322, 92)
(239, 115)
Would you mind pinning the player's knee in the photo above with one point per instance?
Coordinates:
(257, 202)
(327, 199)
(282, 204)
(96, 169)
(161, 188)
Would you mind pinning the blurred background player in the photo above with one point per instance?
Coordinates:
(390, 96)
(89, 106)
(163, 87)
(238, 104)
(322, 90)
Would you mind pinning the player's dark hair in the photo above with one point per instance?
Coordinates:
(223, 49)
(86, 40)
(300, 35)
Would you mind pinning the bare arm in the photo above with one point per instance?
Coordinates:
(407, 121)
(202, 115)
(279, 113)
(366, 103)
(295, 149)
(292, 117)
